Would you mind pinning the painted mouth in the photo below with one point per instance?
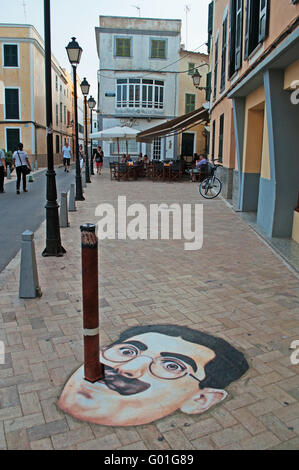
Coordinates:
(122, 385)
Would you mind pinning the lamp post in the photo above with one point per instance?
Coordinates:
(53, 240)
(85, 91)
(196, 77)
(74, 52)
(91, 104)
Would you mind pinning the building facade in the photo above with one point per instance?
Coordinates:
(193, 140)
(22, 92)
(254, 108)
(138, 79)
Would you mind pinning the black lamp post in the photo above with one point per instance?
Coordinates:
(53, 240)
(85, 91)
(91, 104)
(74, 52)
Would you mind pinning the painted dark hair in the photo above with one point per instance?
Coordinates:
(229, 364)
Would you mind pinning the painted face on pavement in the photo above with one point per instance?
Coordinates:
(147, 377)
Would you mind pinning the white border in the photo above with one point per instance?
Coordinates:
(4, 107)
(5, 135)
(10, 44)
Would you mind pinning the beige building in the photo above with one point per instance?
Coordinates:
(254, 108)
(194, 139)
(22, 94)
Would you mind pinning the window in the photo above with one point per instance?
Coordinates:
(13, 138)
(68, 118)
(12, 108)
(210, 25)
(157, 148)
(216, 68)
(133, 147)
(60, 109)
(123, 47)
(64, 115)
(191, 68)
(190, 103)
(137, 93)
(158, 49)
(213, 139)
(209, 84)
(81, 128)
(223, 56)
(57, 115)
(221, 129)
(257, 24)
(10, 53)
(235, 36)
(56, 83)
(57, 144)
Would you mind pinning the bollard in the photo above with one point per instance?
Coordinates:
(8, 172)
(64, 221)
(28, 287)
(35, 166)
(83, 175)
(72, 201)
(93, 369)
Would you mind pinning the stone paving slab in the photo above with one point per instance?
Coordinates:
(235, 287)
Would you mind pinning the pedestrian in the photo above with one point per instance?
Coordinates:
(2, 171)
(21, 163)
(67, 153)
(99, 158)
(81, 157)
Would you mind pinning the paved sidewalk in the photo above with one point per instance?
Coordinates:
(235, 287)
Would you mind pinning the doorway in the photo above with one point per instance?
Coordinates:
(187, 144)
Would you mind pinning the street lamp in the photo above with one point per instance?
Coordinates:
(85, 91)
(196, 77)
(74, 52)
(91, 104)
(53, 240)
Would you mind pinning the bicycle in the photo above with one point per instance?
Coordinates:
(211, 186)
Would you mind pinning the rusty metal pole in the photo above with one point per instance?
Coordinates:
(93, 369)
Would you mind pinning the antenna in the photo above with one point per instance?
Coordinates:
(25, 12)
(138, 8)
(187, 10)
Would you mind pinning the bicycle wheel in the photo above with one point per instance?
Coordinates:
(210, 188)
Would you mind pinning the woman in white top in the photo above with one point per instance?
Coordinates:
(2, 170)
(21, 161)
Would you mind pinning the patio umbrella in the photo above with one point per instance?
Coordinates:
(116, 134)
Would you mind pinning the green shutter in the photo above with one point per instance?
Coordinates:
(158, 49)
(208, 86)
(190, 103)
(264, 19)
(123, 47)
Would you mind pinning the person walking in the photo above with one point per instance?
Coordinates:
(99, 158)
(81, 157)
(2, 171)
(67, 153)
(21, 163)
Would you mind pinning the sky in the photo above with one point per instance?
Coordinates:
(79, 18)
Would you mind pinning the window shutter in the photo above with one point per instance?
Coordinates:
(211, 18)
(223, 55)
(264, 19)
(248, 11)
(208, 86)
(12, 103)
(239, 34)
(232, 38)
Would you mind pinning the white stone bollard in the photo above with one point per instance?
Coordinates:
(72, 200)
(8, 172)
(29, 286)
(64, 221)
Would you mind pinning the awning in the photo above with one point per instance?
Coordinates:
(175, 126)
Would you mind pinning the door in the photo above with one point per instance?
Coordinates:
(187, 144)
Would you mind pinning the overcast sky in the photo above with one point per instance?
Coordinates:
(80, 17)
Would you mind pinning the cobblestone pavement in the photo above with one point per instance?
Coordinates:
(235, 287)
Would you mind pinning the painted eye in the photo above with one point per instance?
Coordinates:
(173, 366)
(120, 353)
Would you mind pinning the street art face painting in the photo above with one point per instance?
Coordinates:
(152, 371)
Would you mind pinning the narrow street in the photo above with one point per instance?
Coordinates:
(25, 211)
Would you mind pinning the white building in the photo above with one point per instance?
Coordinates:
(138, 79)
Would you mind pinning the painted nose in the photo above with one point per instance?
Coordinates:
(135, 368)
